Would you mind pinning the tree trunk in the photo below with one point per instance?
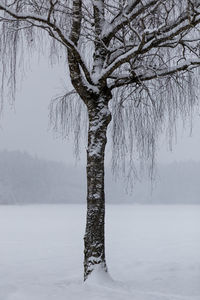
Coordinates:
(99, 118)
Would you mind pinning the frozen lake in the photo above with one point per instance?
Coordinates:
(153, 253)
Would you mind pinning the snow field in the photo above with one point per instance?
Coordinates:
(152, 253)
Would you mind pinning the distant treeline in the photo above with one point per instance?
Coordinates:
(25, 179)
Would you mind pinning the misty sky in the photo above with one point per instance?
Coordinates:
(25, 126)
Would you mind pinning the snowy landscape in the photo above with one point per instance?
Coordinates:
(152, 250)
(123, 74)
(152, 253)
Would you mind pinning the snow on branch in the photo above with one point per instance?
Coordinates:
(126, 15)
(167, 35)
(154, 73)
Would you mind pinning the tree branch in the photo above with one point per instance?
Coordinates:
(129, 13)
(155, 74)
(69, 43)
(153, 39)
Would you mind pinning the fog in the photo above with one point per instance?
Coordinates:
(24, 126)
(25, 179)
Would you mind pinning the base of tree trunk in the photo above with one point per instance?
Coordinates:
(99, 276)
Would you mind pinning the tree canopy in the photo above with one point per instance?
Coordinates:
(145, 51)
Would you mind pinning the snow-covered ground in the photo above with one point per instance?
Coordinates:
(153, 253)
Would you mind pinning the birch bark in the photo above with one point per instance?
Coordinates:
(99, 119)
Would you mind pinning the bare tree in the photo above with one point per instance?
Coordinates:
(140, 53)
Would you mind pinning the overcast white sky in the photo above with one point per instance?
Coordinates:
(25, 126)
